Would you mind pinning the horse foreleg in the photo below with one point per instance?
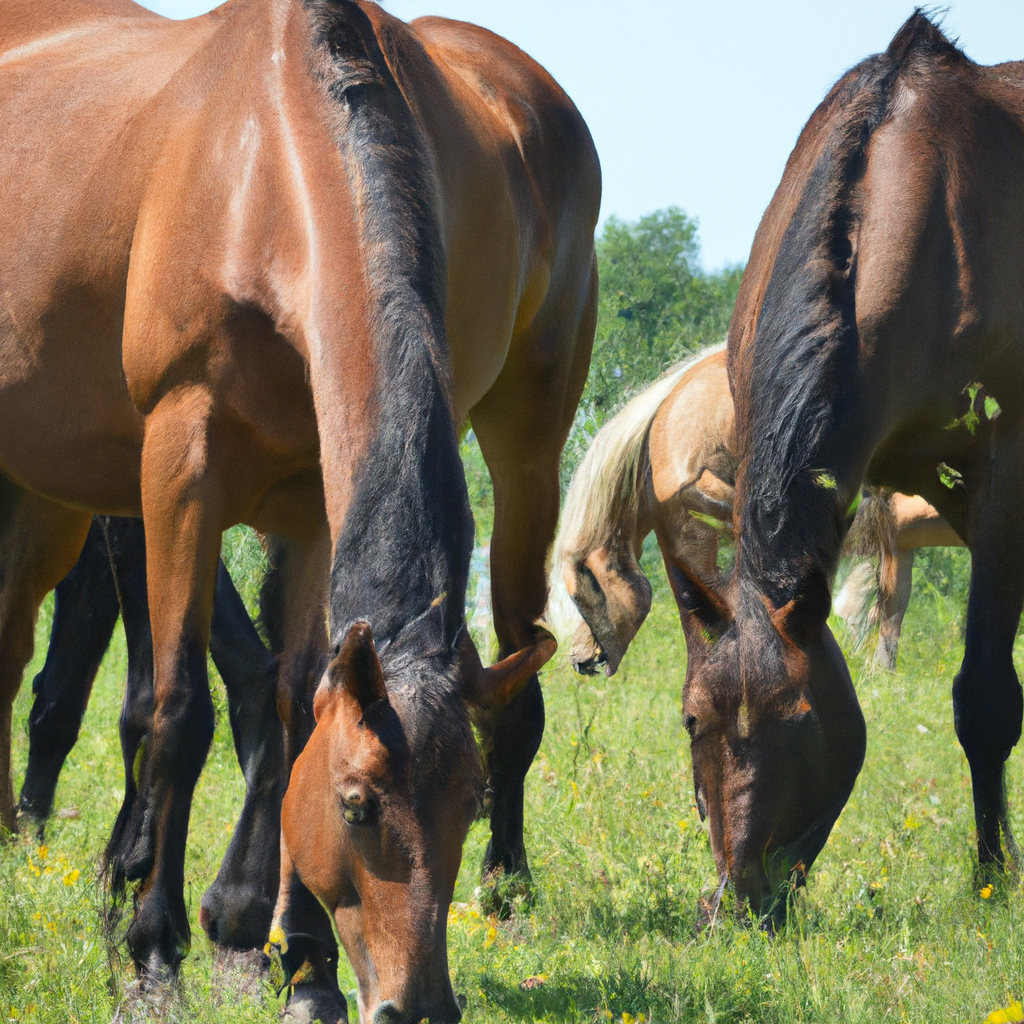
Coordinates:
(292, 602)
(987, 699)
(892, 606)
(129, 853)
(182, 500)
(85, 611)
(236, 910)
(39, 544)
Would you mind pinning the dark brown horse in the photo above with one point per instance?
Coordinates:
(257, 267)
(878, 335)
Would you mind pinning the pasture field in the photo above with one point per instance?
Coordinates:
(893, 927)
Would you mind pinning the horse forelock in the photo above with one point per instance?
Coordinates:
(795, 364)
(407, 533)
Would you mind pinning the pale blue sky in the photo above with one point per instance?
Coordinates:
(695, 103)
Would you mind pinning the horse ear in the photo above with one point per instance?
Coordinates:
(494, 687)
(700, 603)
(803, 617)
(356, 668)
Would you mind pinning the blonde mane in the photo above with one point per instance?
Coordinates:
(604, 489)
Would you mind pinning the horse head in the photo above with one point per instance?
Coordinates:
(379, 804)
(777, 736)
(613, 596)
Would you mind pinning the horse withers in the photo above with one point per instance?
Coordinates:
(291, 246)
(878, 335)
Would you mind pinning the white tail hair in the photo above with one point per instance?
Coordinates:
(605, 487)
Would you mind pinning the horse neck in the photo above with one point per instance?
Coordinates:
(396, 493)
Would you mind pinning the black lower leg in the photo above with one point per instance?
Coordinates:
(237, 909)
(85, 613)
(512, 738)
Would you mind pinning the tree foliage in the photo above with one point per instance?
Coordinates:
(656, 306)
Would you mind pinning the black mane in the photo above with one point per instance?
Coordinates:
(805, 349)
(408, 531)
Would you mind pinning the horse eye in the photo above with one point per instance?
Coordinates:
(690, 721)
(356, 808)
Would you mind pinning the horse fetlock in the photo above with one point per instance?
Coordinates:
(158, 940)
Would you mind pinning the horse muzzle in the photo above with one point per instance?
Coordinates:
(388, 1012)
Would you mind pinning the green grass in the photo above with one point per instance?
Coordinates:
(891, 928)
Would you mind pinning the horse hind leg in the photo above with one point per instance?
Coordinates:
(39, 544)
(522, 425)
(84, 615)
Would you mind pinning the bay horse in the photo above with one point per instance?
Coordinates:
(666, 463)
(261, 266)
(107, 581)
(878, 335)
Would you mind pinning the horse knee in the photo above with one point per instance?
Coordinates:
(183, 726)
(988, 709)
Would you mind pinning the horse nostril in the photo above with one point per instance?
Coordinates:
(388, 1013)
(208, 923)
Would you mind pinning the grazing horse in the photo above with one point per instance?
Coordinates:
(878, 335)
(110, 578)
(667, 462)
(261, 266)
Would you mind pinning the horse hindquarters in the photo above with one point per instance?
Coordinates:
(85, 612)
(39, 543)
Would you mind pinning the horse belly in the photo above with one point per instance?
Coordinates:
(68, 429)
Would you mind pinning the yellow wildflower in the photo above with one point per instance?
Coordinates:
(490, 937)
(1013, 1014)
(986, 892)
(72, 876)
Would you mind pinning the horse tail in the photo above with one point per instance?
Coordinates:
(873, 535)
(854, 601)
(604, 490)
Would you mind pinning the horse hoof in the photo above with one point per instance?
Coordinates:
(308, 1004)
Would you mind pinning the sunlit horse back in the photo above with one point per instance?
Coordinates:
(879, 336)
(262, 266)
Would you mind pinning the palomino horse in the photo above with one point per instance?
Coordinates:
(110, 578)
(667, 462)
(891, 526)
(878, 335)
(261, 265)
